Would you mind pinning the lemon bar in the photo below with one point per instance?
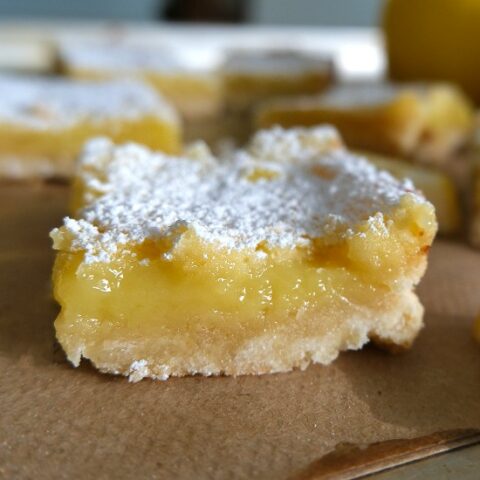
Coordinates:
(45, 121)
(437, 186)
(425, 122)
(194, 91)
(250, 76)
(272, 258)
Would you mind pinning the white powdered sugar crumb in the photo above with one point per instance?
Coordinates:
(237, 202)
(56, 103)
(138, 370)
(294, 145)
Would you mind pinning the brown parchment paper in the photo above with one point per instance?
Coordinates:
(60, 422)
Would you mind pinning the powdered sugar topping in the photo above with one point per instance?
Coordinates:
(239, 202)
(278, 62)
(123, 57)
(50, 103)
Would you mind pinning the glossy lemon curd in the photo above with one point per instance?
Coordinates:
(207, 295)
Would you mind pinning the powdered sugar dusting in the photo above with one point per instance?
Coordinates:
(356, 95)
(122, 57)
(295, 145)
(253, 196)
(51, 103)
(279, 62)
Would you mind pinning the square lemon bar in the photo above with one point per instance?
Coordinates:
(44, 122)
(250, 76)
(274, 257)
(425, 122)
(194, 90)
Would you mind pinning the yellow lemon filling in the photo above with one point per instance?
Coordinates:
(61, 146)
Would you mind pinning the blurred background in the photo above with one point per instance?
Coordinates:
(308, 25)
(272, 12)
(219, 62)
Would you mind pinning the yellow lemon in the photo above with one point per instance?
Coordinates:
(434, 40)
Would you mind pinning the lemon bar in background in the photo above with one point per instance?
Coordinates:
(437, 186)
(250, 76)
(425, 122)
(194, 91)
(45, 121)
(271, 258)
